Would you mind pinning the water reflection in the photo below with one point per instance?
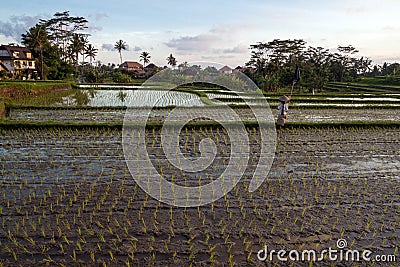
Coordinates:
(131, 98)
(81, 98)
(122, 96)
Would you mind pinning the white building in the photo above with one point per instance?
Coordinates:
(17, 61)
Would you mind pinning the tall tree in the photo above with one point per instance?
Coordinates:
(344, 65)
(36, 39)
(145, 57)
(272, 60)
(316, 67)
(75, 47)
(171, 60)
(62, 28)
(59, 48)
(85, 43)
(119, 46)
(363, 66)
(91, 53)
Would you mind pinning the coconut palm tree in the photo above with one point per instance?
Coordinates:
(84, 44)
(171, 60)
(91, 52)
(76, 46)
(120, 45)
(145, 57)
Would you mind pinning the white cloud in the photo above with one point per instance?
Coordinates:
(239, 49)
(356, 10)
(214, 40)
(98, 16)
(93, 28)
(107, 47)
(197, 43)
(391, 28)
(221, 43)
(18, 25)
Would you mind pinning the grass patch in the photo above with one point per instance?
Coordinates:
(44, 99)
(45, 107)
(2, 109)
(382, 80)
(137, 81)
(289, 125)
(18, 106)
(17, 90)
(320, 101)
(36, 85)
(355, 124)
(366, 107)
(363, 86)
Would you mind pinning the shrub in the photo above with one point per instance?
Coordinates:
(119, 77)
(3, 74)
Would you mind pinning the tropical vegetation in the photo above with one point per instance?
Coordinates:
(62, 50)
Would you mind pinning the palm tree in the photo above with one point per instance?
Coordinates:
(84, 44)
(145, 57)
(120, 45)
(36, 39)
(171, 60)
(91, 52)
(76, 46)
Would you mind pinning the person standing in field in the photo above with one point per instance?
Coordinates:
(283, 110)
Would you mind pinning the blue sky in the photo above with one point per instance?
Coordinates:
(218, 31)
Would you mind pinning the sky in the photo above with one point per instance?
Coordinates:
(217, 31)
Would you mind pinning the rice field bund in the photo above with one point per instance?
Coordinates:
(67, 197)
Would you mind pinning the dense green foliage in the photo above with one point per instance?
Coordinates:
(63, 52)
(57, 44)
(272, 65)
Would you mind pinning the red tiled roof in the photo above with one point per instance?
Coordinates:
(131, 64)
(225, 68)
(151, 66)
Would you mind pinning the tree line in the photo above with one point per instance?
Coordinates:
(273, 65)
(63, 50)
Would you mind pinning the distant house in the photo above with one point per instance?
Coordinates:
(17, 61)
(225, 70)
(131, 66)
(151, 69)
(151, 66)
(238, 69)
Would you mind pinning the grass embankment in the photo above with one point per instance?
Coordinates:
(138, 81)
(382, 80)
(321, 101)
(366, 85)
(13, 90)
(293, 106)
(3, 109)
(289, 125)
(33, 93)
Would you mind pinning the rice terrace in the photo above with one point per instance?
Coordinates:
(67, 196)
(124, 143)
